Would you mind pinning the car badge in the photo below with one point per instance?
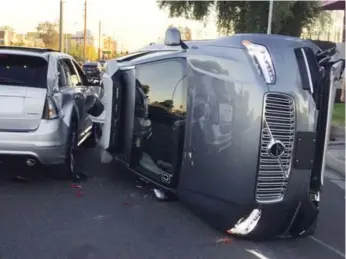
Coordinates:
(276, 148)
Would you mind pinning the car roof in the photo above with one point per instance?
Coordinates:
(28, 49)
(38, 52)
(154, 51)
(148, 56)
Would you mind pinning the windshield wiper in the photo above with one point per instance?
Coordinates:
(10, 80)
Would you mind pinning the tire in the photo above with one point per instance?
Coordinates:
(67, 170)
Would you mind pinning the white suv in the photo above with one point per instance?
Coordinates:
(43, 107)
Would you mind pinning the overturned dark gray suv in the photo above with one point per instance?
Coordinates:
(235, 127)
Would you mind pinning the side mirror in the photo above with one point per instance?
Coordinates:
(93, 105)
(172, 37)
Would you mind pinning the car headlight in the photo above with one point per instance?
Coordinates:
(262, 60)
(246, 225)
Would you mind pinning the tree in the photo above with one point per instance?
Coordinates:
(75, 51)
(146, 89)
(48, 32)
(91, 53)
(289, 17)
(322, 23)
(18, 44)
(6, 28)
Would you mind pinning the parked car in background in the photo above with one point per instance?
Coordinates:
(93, 71)
(44, 97)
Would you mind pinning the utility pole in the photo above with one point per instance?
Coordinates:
(344, 28)
(109, 48)
(61, 28)
(99, 40)
(270, 17)
(85, 30)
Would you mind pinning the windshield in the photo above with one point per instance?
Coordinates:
(23, 70)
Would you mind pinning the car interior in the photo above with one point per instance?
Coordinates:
(160, 152)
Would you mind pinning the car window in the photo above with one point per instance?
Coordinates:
(180, 98)
(308, 68)
(159, 80)
(23, 70)
(67, 72)
(62, 75)
(74, 79)
(82, 77)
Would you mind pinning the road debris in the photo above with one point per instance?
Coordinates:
(20, 179)
(79, 177)
(79, 193)
(224, 240)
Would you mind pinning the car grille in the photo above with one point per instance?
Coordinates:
(279, 125)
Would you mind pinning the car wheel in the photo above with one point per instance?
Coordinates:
(68, 168)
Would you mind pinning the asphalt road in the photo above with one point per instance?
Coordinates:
(111, 217)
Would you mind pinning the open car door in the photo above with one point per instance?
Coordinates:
(331, 72)
(116, 121)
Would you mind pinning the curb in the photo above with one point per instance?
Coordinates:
(336, 143)
(337, 131)
(335, 164)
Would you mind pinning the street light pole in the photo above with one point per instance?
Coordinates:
(270, 17)
(99, 52)
(61, 28)
(85, 30)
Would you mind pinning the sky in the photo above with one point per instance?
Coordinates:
(133, 23)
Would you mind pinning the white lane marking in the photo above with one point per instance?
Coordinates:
(259, 255)
(328, 246)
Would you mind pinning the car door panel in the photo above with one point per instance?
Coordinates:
(85, 90)
(117, 120)
(78, 92)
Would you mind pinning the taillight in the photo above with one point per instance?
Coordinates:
(51, 110)
(262, 59)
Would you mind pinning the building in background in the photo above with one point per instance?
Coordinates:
(78, 38)
(7, 37)
(109, 48)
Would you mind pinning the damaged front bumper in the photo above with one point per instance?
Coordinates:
(279, 220)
